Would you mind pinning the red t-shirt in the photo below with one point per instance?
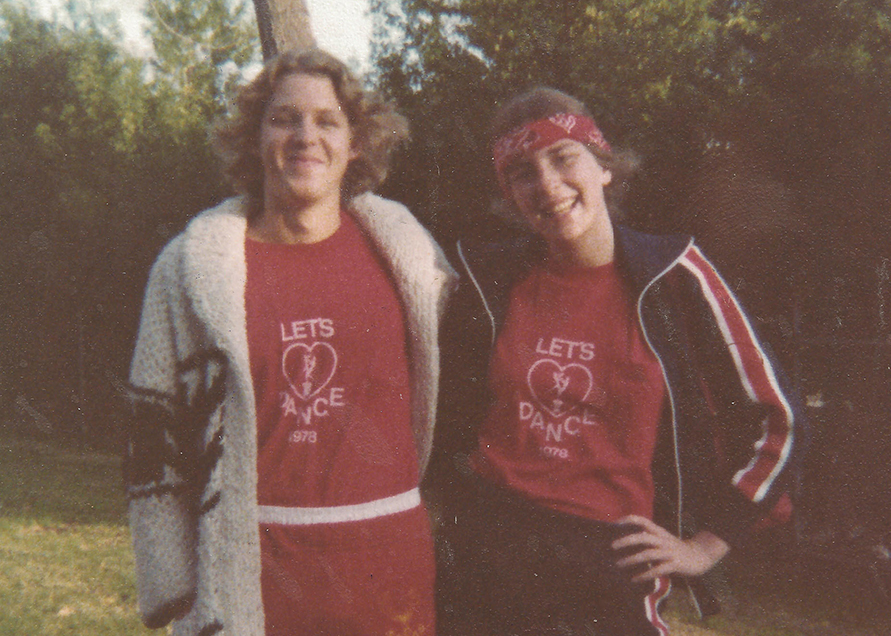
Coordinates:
(327, 346)
(578, 396)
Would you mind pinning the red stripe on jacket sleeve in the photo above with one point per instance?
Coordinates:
(757, 376)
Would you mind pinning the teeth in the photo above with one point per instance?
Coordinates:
(560, 208)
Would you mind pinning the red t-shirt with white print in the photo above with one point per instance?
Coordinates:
(578, 397)
(327, 344)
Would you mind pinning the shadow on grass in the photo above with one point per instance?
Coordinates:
(57, 486)
(66, 566)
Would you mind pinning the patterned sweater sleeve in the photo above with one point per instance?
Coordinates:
(161, 506)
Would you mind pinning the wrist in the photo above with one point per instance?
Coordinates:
(711, 545)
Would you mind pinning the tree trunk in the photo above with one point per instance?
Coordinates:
(283, 25)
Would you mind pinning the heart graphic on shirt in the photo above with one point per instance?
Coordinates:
(559, 389)
(309, 368)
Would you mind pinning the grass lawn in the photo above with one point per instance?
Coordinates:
(65, 561)
(66, 566)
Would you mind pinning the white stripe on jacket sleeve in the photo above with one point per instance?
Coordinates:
(758, 378)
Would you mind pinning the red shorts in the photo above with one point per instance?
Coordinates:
(368, 578)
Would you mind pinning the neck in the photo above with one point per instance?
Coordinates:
(595, 248)
(295, 223)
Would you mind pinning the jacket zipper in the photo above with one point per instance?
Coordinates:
(479, 290)
(674, 424)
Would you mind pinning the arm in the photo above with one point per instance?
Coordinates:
(754, 407)
(162, 521)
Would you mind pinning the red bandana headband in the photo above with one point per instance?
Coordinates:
(541, 133)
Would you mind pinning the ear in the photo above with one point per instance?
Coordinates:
(607, 177)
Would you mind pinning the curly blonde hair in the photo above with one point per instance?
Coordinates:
(376, 127)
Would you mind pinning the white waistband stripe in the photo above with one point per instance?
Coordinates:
(338, 514)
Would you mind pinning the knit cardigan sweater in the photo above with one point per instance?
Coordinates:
(190, 465)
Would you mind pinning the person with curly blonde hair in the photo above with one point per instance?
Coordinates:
(376, 128)
(285, 377)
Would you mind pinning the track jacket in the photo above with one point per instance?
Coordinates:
(726, 442)
(191, 463)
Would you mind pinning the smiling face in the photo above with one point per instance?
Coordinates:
(305, 144)
(559, 191)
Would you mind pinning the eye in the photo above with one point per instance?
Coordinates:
(329, 120)
(284, 119)
(565, 158)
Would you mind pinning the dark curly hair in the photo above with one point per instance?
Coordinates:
(376, 126)
(541, 102)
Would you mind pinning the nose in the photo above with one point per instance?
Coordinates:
(305, 133)
(547, 179)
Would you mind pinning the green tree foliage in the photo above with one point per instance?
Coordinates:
(758, 122)
(200, 46)
(651, 71)
(631, 59)
(676, 80)
(442, 88)
(67, 122)
(201, 50)
(820, 78)
(102, 157)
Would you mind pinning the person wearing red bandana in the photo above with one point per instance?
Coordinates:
(609, 419)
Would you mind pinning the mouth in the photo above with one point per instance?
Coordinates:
(303, 160)
(558, 209)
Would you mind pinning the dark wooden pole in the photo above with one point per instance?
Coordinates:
(283, 25)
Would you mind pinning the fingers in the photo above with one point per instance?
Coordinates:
(659, 552)
(644, 556)
(639, 521)
(650, 534)
(646, 525)
(654, 563)
(638, 539)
